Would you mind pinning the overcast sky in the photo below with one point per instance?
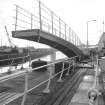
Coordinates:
(75, 13)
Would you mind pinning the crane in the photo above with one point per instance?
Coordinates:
(10, 42)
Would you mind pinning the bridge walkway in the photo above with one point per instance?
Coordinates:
(46, 28)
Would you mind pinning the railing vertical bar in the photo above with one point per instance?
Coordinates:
(69, 35)
(40, 20)
(59, 27)
(72, 37)
(75, 39)
(48, 28)
(68, 68)
(65, 33)
(60, 78)
(47, 89)
(31, 21)
(52, 20)
(16, 17)
(25, 88)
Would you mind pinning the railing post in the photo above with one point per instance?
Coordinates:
(22, 63)
(72, 37)
(65, 33)
(48, 28)
(75, 39)
(31, 21)
(16, 17)
(73, 64)
(68, 69)
(52, 20)
(59, 27)
(47, 89)
(40, 20)
(9, 70)
(60, 78)
(29, 61)
(69, 35)
(25, 88)
(55, 31)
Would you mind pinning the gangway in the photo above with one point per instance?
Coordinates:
(46, 28)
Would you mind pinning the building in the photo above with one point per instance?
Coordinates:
(101, 43)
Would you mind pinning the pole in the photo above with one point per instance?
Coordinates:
(103, 26)
(40, 20)
(60, 78)
(59, 27)
(25, 88)
(52, 21)
(87, 35)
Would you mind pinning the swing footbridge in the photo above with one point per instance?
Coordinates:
(66, 81)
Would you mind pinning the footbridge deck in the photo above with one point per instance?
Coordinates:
(40, 36)
(47, 28)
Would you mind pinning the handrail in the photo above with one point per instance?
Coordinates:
(11, 76)
(25, 72)
(51, 20)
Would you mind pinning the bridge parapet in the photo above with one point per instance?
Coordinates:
(46, 20)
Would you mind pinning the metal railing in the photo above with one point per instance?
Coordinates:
(25, 72)
(45, 20)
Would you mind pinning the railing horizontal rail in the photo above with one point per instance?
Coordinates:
(2, 79)
(23, 9)
(23, 21)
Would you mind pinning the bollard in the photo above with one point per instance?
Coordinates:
(60, 78)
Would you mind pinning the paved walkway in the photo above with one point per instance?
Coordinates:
(81, 96)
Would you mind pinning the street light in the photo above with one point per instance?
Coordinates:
(87, 31)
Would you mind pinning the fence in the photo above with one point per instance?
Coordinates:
(27, 71)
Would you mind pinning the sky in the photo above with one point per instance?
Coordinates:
(75, 13)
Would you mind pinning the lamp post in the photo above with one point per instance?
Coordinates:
(87, 33)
